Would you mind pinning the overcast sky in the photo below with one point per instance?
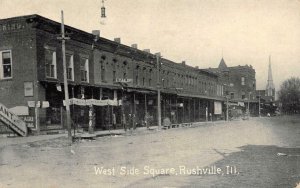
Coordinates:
(197, 31)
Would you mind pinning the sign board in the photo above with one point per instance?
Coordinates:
(218, 107)
(29, 120)
(11, 27)
(88, 102)
(20, 110)
(124, 80)
(28, 89)
(12, 121)
(45, 104)
(32, 104)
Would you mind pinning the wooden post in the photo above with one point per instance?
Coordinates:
(66, 91)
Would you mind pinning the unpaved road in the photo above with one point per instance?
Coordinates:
(261, 152)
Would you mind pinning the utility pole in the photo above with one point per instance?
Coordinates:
(227, 108)
(158, 91)
(63, 38)
(258, 104)
(249, 104)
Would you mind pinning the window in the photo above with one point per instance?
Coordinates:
(114, 76)
(143, 81)
(102, 71)
(84, 69)
(243, 81)
(50, 64)
(243, 95)
(6, 64)
(232, 95)
(70, 67)
(137, 80)
(150, 82)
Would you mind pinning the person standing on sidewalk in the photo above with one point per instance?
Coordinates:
(124, 122)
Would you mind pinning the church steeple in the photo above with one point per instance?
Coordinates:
(270, 89)
(222, 65)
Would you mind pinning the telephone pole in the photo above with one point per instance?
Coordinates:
(63, 38)
(158, 91)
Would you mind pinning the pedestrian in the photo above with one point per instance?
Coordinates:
(124, 122)
(114, 121)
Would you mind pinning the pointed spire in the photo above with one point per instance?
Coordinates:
(270, 89)
(222, 65)
(270, 77)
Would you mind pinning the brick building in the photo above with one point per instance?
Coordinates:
(239, 85)
(122, 81)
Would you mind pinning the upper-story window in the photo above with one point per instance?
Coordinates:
(137, 79)
(6, 64)
(50, 62)
(102, 71)
(70, 67)
(243, 95)
(84, 69)
(243, 81)
(114, 76)
(232, 95)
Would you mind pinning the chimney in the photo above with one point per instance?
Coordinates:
(117, 40)
(147, 50)
(183, 62)
(96, 33)
(134, 46)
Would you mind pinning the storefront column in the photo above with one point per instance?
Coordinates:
(183, 111)
(176, 115)
(134, 112)
(194, 111)
(199, 110)
(146, 115)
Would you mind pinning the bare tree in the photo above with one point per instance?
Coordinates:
(289, 95)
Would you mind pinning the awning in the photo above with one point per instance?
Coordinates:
(140, 91)
(201, 96)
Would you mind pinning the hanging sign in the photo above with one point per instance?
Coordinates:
(88, 102)
(124, 80)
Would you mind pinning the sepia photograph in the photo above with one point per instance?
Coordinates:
(149, 93)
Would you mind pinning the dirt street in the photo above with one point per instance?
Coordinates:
(260, 152)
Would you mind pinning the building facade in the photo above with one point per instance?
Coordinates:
(239, 84)
(120, 82)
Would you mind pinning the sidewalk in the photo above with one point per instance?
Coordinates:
(22, 140)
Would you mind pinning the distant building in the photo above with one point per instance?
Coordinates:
(239, 85)
(239, 81)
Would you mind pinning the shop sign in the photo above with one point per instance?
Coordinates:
(29, 120)
(218, 107)
(32, 104)
(124, 80)
(28, 89)
(11, 27)
(88, 102)
(7, 116)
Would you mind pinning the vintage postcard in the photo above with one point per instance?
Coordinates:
(149, 93)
